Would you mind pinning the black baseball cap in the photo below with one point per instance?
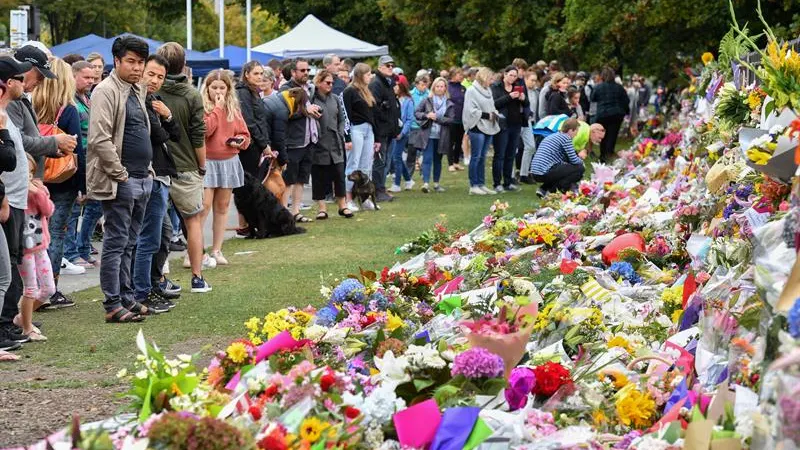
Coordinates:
(10, 67)
(37, 58)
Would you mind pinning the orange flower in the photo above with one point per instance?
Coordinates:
(795, 133)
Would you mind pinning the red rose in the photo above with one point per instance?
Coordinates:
(255, 411)
(271, 390)
(326, 381)
(351, 413)
(368, 320)
(549, 378)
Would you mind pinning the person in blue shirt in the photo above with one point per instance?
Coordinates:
(556, 164)
(400, 142)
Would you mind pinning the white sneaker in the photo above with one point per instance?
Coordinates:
(67, 268)
(409, 185)
(368, 205)
(425, 188)
(488, 191)
(512, 187)
(476, 190)
(209, 262)
(219, 258)
(395, 188)
(499, 189)
(351, 205)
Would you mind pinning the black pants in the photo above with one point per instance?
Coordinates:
(411, 159)
(327, 179)
(13, 230)
(157, 267)
(380, 163)
(560, 177)
(612, 125)
(455, 152)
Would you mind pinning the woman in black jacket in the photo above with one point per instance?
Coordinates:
(612, 107)
(254, 113)
(557, 97)
(511, 101)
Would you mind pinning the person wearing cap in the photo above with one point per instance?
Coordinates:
(387, 119)
(556, 164)
(21, 112)
(118, 173)
(14, 203)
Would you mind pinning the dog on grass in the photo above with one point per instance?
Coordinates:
(363, 188)
(265, 215)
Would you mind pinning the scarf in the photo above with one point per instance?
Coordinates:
(439, 107)
(289, 101)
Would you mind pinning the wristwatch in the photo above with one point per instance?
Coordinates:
(201, 171)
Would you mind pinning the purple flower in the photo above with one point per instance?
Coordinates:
(520, 384)
(478, 363)
(794, 320)
(627, 440)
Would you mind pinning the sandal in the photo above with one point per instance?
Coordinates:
(122, 315)
(141, 310)
(300, 218)
(322, 215)
(346, 213)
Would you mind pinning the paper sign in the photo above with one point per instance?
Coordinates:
(416, 426)
(480, 432)
(685, 361)
(281, 341)
(746, 401)
(594, 291)
(717, 406)
(682, 339)
(755, 218)
(449, 287)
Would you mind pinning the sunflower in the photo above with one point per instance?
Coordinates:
(311, 429)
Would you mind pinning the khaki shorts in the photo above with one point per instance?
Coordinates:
(186, 192)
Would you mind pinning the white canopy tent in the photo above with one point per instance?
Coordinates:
(313, 39)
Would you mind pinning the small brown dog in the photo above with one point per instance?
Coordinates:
(363, 188)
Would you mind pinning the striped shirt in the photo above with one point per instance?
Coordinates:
(554, 149)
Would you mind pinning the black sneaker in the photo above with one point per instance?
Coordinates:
(164, 295)
(177, 246)
(155, 297)
(200, 285)
(155, 306)
(169, 286)
(7, 334)
(8, 346)
(382, 196)
(59, 300)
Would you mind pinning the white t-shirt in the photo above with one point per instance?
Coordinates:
(16, 181)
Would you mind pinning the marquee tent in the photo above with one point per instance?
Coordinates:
(65, 48)
(237, 56)
(313, 39)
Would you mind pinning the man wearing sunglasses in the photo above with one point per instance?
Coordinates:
(387, 123)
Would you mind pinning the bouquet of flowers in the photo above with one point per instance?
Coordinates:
(539, 232)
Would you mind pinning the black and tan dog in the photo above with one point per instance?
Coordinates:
(363, 188)
(265, 215)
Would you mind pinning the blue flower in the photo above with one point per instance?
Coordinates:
(349, 290)
(381, 302)
(794, 320)
(625, 270)
(326, 316)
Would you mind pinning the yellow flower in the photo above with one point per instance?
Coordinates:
(311, 429)
(619, 341)
(176, 390)
(393, 322)
(237, 352)
(758, 156)
(707, 58)
(635, 408)
(599, 418)
(252, 324)
(676, 316)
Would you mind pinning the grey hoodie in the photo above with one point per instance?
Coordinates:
(477, 101)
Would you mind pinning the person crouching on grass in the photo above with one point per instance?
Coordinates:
(555, 164)
(35, 269)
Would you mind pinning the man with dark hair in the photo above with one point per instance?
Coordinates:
(21, 112)
(189, 153)
(387, 118)
(152, 246)
(118, 173)
(555, 164)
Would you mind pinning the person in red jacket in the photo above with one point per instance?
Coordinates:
(226, 135)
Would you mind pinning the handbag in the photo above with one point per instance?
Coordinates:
(273, 180)
(58, 170)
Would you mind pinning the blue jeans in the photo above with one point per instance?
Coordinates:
(175, 220)
(505, 150)
(78, 243)
(360, 157)
(431, 157)
(149, 240)
(124, 216)
(58, 227)
(479, 143)
(400, 169)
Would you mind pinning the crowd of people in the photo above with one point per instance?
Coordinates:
(152, 156)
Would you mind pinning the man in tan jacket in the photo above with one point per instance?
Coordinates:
(118, 173)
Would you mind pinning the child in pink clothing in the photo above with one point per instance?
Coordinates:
(35, 269)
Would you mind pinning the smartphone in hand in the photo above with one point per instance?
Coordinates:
(234, 140)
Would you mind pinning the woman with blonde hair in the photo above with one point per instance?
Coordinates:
(226, 135)
(54, 102)
(359, 104)
(481, 121)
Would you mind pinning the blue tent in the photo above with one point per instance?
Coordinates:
(200, 63)
(68, 47)
(238, 56)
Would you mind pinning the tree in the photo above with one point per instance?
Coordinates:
(265, 26)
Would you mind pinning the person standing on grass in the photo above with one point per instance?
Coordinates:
(555, 164)
(480, 120)
(359, 104)
(152, 245)
(435, 115)
(328, 153)
(186, 190)
(387, 117)
(77, 243)
(612, 107)
(254, 113)
(528, 141)
(511, 100)
(118, 173)
(418, 93)
(12, 208)
(456, 91)
(557, 96)
(226, 134)
(400, 143)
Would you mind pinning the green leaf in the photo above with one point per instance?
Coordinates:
(422, 384)
(445, 392)
(494, 386)
(146, 410)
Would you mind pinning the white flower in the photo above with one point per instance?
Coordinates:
(336, 336)
(172, 363)
(142, 374)
(315, 332)
(325, 291)
(381, 404)
(522, 287)
(663, 320)
(122, 373)
(776, 130)
(422, 357)
(392, 370)
(183, 357)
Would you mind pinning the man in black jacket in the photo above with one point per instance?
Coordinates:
(152, 246)
(387, 123)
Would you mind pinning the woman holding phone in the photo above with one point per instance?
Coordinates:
(511, 101)
(226, 135)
